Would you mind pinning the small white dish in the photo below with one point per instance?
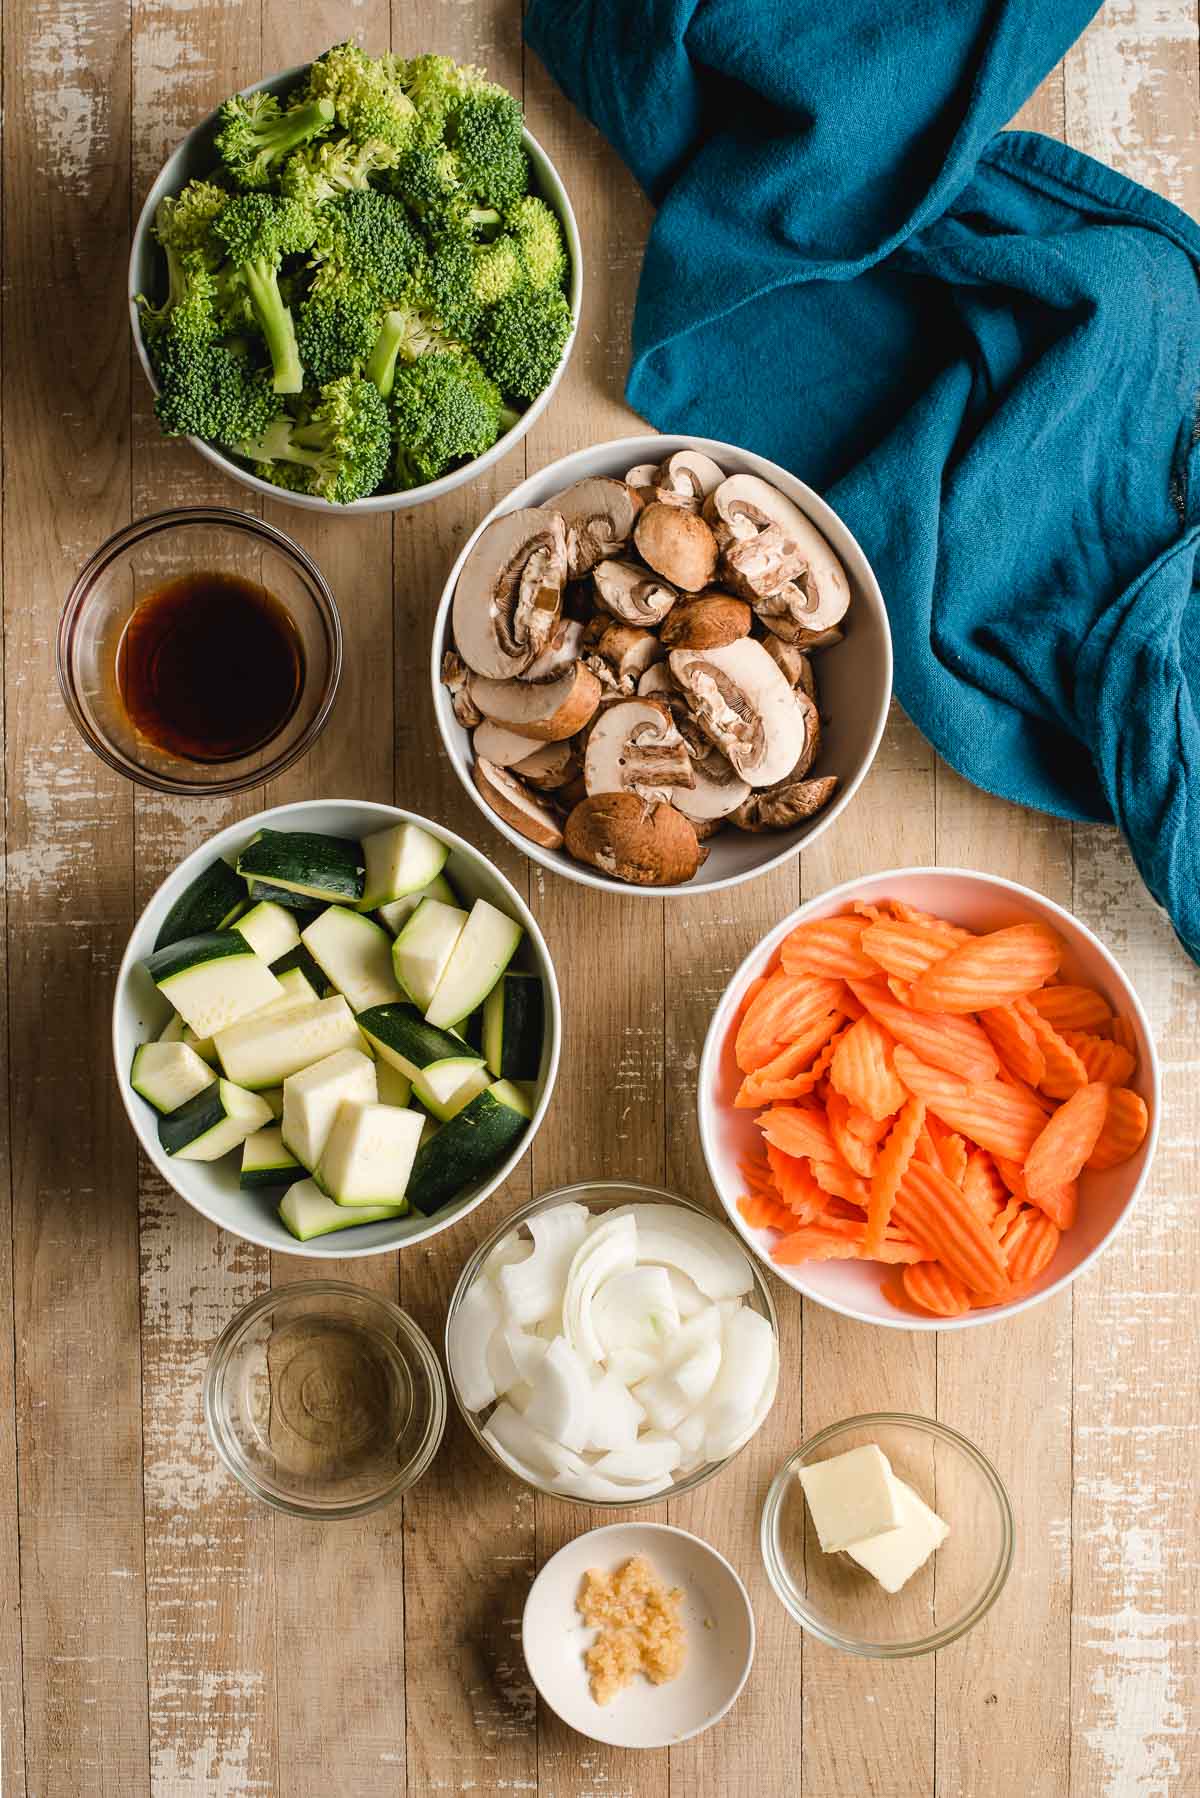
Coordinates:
(717, 1618)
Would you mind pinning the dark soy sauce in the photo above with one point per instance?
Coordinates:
(210, 667)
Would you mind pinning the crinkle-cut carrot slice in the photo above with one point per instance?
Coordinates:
(871, 1130)
(841, 1181)
(1042, 1100)
(827, 946)
(841, 1239)
(1106, 1061)
(895, 1251)
(1069, 1137)
(983, 1185)
(951, 1149)
(790, 1074)
(1121, 1031)
(866, 909)
(1014, 1042)
(1000, 1223)
(926, 1149)
(795, 1185)
(798, 1130)
(862, 1071)
(759, 1175)
(1060, 1202)
(901, 991)
(1123, 1130)
(1071, 1007)
(1029, 1244)
(928, 1285)
(954, 1043)
(764, 1213)
(989, 970)
(857, 1154)
(786, 1006)
(933, 1213)
(1064, 1072)
(890, 1165)
(994, 1115)
(839, 1207)
(907, 950)
(751, 994)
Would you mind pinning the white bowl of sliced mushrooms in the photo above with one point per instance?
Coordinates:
(661, 664)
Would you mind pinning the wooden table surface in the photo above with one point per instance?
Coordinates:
(162, 1633)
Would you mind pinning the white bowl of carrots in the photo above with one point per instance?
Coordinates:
(929, 1099)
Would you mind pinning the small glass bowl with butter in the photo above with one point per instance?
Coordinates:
(926, 1513)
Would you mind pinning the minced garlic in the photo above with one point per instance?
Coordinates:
(640, 1629)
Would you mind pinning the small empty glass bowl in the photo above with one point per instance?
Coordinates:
(843, 1604)
(140, 560)
(324, 1399)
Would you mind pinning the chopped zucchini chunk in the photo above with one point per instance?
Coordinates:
(261, 891)
(270, 929)
(488, 943)
(265, 1159)
(513, 1026)
(167, 1075)
(444, 1071)
(402, 859)
(212, 902)
(311, 1099)
(172, 1031)
(399, 911)
(356, 955)
(306, 1212)
(368, 1154)
(394, 1088)
(308, 864)
(424, 946)
(469, 1147)
(215, 1121)
(264, 1051)
(212, 980)
(300, 958)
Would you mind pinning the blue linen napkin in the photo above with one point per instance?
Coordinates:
(984, 349)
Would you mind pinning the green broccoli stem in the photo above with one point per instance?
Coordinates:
(381, 363)
(278, 326)
(509, 416)
(298, 125)
(283, 441)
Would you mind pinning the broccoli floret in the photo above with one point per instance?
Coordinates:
(522, 339)
(539, 240)
(343, 446)
(484, 132)
(336, 329)
(461, 278)
(211, 390)
(366, 95)
(444, 410)
(405, 332)
(256, 134)
(366, 237)
(258, 231)
(435, 85)
(183, 223)
(326, 171)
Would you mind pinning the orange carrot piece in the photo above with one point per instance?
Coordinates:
(862, 1071)
(1069, 1137)
(841, 1181)
(989, 970)
(908, 949)
(764, 1213)
(1123, 1130)
(1000, 1223)
(856, 1153)
(827, 946)
(951, 1149)
(799, 1130)
(1122, 1031)
(795, 1185)
(1071, 1007)
(996, 1116)
(1060, 1202)
(789, 1075)
(1014, 1042)
(928, 1285)
(785, 1007)
(954, 1043)
(933, 1212)
(983, 1185)
(817, 1242)
(890, 1167)
(1064, 1072)
(871, 1130)
(1104, 1060)
(1029, 1245)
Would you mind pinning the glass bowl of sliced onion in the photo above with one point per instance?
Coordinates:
(612, 1344)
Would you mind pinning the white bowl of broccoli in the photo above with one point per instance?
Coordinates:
(356, 284)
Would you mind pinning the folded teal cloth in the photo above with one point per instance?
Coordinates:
(984, 349)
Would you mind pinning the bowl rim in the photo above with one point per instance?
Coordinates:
(449, 1215)
(939, 1638)
(415, 1339)
(719, 1024)
(557, 196)
(169, 519)
(608, 1191)
(714, 1554)
(629, 451)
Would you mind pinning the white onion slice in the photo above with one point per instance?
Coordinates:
(701, 1328)
(631, 1365)
(648, 1459)
(687, 1295)
(695, 1376)
(610, 1249)
(616, 1414)
(758, 1415)
(507, 1253)
(635, 1309)
(533, 1288)
(517, 1436)
(593, 1485)
(474, 1323)
(690, 1437)
(561, 1404)
(697, 1246)
(748, 1363)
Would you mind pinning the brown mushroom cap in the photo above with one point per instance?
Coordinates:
(743, 704)
(509, 592)
(629, 839)
(547, 711)
(622, 655)
(511, 800)
(455, 678)
(631, 593)
(678, 545)
(634, 747)
(706, 622)
(781, 806)
(794, 661)
(598, 515)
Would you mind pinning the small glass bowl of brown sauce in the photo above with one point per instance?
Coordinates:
(199, 651)
(324, 1399)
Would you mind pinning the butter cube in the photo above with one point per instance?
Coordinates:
(895, 1556)
(851, 1497)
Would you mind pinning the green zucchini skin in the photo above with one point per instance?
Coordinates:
(210, 902)
(335, 866)
(192, 951)
(299, 957)
(304, 907)
(178, 1128)
(463, 1152)
(513, 1026)
(401, 1028)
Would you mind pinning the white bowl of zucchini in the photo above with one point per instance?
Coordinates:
(336, 1028)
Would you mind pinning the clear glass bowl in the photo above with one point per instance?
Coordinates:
(324, 1399)
(598, 1195)
(140, 559)
(837, 1600)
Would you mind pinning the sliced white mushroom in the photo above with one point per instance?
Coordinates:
(789, 802)
(658, 679)
(559, 653)
(455, 677)
(631, 593)
(551, 766)
(496, 744)
(789, 599)
(634, 747)
(642, 477)
(794, 662)
(511, 800)
(547, 711)
(509, 594)
(622, 655)
(743, 704)
(717, 790)
(687, 478)
(598, 515)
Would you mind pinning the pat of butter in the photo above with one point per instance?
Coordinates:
(894, 1556)
(851, 1497)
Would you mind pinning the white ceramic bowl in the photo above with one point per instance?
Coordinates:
(716, 1616)
(195, 156)
(979, 902)
(139, 1013)
(854, 678)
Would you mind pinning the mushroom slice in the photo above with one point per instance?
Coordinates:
(813, 640)
(687, 478)
(496, 744)
(788, 803)
(676, 544)
(794, 662)
(632, 839)
(642, 477)
(634, 747)
(716, 792)
(658, 679)
(631, 594)
(551, 766)
(563, 648)
(509, 594)
(744, 508)
(511, 800)
(455, 677)
(598, 517)
(743, 704)
(812, 735)
(622, 655)
(546, 711)
(707, 622)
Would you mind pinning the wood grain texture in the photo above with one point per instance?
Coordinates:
(162, 1635)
